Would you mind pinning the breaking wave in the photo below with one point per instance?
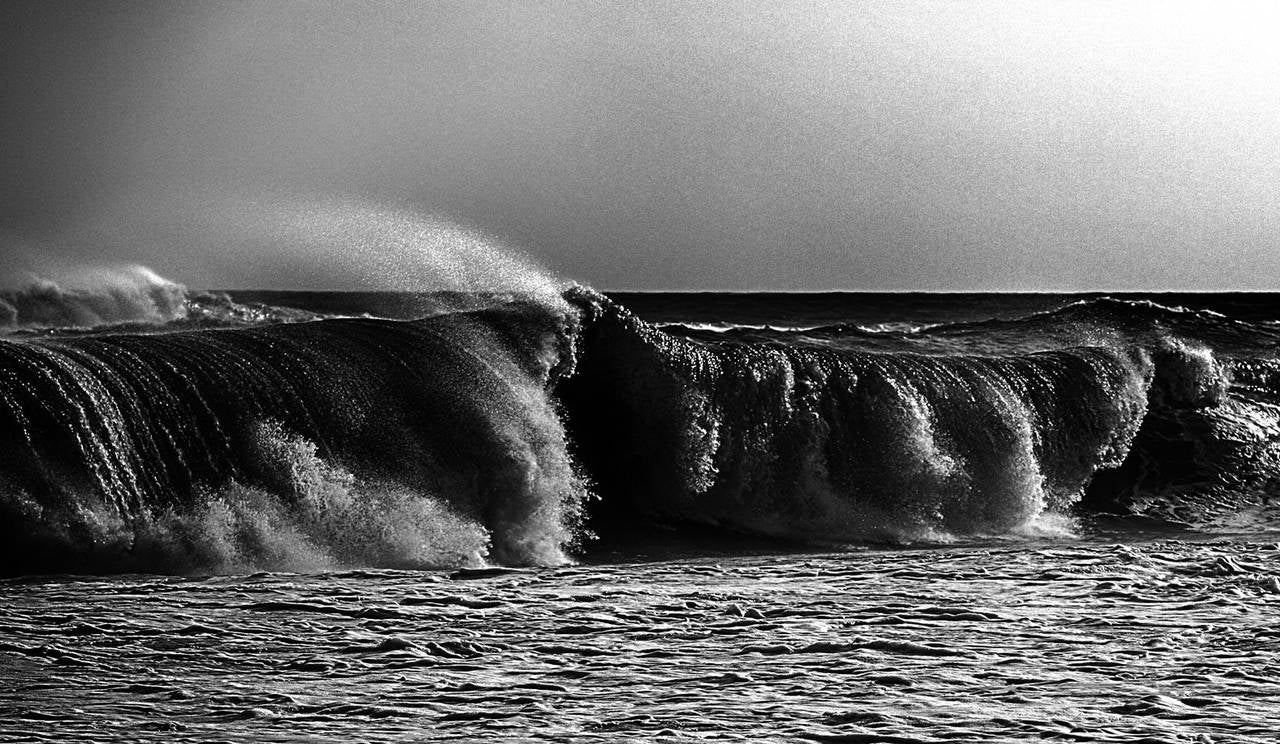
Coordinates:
(365, 441)
(840, 445)
(507, 428)
(93, 298)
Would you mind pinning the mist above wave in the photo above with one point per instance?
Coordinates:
(259, 242)
(284, 240)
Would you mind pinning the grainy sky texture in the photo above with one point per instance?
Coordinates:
(650, 145)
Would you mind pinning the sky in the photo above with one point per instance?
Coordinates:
(1057, 146)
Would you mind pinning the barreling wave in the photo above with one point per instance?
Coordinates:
(264, 437)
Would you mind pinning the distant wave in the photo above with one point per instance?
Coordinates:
(744, 329)
(127, 298)
(1103, 321)
(93, 298)
(1107, 312)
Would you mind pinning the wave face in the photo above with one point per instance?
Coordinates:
(360, 441)
(978, 427)
(839, 445)
(276, 430)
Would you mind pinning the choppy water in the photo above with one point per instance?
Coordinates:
(1151, 641)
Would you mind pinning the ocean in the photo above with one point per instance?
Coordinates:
(580, 516)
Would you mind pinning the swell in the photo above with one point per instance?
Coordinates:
(109, 436)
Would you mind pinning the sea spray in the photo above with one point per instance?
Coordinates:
(276, 240)
(316, 516)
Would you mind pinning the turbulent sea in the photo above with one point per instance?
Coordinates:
(576, 516)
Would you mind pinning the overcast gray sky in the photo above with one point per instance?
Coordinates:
(651, 145)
